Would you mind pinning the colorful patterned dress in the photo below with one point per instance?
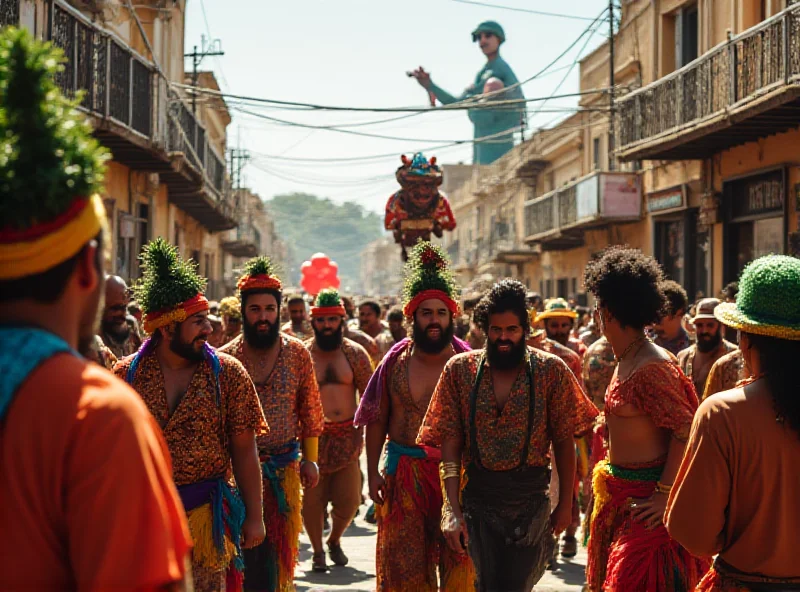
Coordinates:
(197, 434)
(292, 406)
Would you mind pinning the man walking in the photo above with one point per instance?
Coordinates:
(559, 319)
(87, 495)
(210, 414)
(343, 369)
(407, 494)
(283, 373)
(497, 411)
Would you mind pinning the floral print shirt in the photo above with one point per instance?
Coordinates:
(198, 430)
(725, 373)
(561, 410)
(599, 364)
(289, 396)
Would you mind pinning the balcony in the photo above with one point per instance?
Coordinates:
(453, 252)
(134, 113)
(504, 247)
(742, 90)
(245, 241)
(557, 220)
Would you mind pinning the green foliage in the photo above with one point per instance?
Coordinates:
(311, 224)
(328, 297)
(428, 268)
(260, 266)
(167, 280)
(48, 156)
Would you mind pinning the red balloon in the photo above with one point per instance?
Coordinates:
(319, 273)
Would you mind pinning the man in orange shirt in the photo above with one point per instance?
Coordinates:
(88, 501)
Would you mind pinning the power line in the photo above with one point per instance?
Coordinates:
(526, 10)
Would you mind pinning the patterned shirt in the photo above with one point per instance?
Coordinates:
(576, 345)
(662, 391)
(571, 359)
(686, 360)
(306, 330)
(725, 373)
(359, 361)
(199, 428)
(400, 396)
(100, 354)
(289, 396)
(599, 364)
(562, 410)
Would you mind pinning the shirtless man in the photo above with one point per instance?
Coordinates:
(649, 408)
(408, 494)
(696, 360)
(343, 369)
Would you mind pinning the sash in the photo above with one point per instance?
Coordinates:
(272, 463)
(395, 451)
(24, 350)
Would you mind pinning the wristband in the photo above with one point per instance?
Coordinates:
(311, 449)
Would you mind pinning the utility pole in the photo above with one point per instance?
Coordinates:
(611, 131)
(214, 49)
(239, 158)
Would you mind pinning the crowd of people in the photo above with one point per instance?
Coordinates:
(223, 429)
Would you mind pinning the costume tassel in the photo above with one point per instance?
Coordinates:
(205, 552)
(283, 529)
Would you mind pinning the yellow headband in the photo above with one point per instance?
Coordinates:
(26, 258)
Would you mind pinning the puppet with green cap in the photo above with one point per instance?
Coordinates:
(494, 127)
(209, 410)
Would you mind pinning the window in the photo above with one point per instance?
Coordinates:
(596, 153)
(686, 35)
(562, 287)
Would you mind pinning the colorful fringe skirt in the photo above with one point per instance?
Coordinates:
(215, 514)
(624, 556)
(724, 578)
(411, 547)
(270, 566)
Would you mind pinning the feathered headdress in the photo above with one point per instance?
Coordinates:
(51, 168)
(328, 304)
(427, 275)
(259, 274)
(170, 290)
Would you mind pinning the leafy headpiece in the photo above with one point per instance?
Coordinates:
(170, 290)
(231, 306)
(259, 274)
(51, 167)
(428, 275)
(328, 304)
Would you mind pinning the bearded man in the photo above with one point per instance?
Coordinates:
(498, 411)
(559, 319)
(116, 331)
(697, 359)
(283, 373)
(209, 412)
(343, 369)
(407, 495)
(87, 495)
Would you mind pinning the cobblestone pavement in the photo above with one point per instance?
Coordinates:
(359, 576)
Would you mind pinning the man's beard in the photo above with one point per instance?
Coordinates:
(186, 350)
(329, 341)
(119, 331)
(707, 343)
(562, 338)
(505, 360)
(257, 339)
(433, 345)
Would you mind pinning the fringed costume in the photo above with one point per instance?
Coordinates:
(219, 403)
(506, 454)
(625, 556)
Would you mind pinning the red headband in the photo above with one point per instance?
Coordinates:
(258, 282)
(178, 314)
(412, 306)
(328, 311)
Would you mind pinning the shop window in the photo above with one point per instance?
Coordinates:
(562, 287)
(548, 289)
(683, 251)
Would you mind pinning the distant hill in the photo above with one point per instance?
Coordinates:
(311, 224)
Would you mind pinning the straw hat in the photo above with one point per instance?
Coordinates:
(556, 307)
(768, 302)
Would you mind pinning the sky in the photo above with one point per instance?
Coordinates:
(355, 53)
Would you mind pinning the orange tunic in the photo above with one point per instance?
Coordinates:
(289, 396)
(194, 431)
(565, 411)
(88, 500)
(736, 491)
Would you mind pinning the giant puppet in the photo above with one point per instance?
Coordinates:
(418, 209)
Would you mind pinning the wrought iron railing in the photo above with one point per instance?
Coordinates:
(733, 73)
(9, 12)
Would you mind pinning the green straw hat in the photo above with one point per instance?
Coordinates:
(768, 302)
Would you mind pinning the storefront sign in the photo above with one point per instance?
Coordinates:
(665, 200)
(760, 194)
(620, 195)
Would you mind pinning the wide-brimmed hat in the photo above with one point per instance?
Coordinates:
(536, 331)
(556, 307)
(768, 302)
(705, 309)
